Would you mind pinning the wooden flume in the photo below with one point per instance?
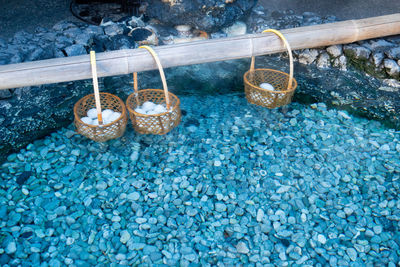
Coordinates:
(245, 46)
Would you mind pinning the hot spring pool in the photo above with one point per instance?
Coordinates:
(233, 184)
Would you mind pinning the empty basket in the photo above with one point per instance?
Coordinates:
(160, 123)
(101, 132)
(284, 84)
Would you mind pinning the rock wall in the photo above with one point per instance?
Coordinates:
(207, 15)
(29, 113)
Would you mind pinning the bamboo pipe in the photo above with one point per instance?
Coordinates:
(135, 60)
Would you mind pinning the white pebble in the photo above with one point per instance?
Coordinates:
(87, 120)
(25, 191)
(92, 113)
(267, 86)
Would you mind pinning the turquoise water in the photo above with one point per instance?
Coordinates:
(232, 184)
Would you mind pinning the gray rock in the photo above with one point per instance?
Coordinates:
(113, 29)
(11, 247)
(242, 248)
(379, 45)
(133, 196)
(308, 56)
(75, 50)
(393, 53)
(391, 67)
(323, 61)
(220, 207)
(335, 50)
(356, 52)
(352, 253)
(377, 58)
(125, 236)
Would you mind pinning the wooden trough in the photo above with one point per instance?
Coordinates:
(136, 60)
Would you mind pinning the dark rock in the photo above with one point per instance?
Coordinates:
(22, 37)
(100, 43)
(356, 52)
(4, 259)
(207, 15)
(4, 94)
(4, 58)
(192, 122)
(75, 50)
(40, 53)
(3, 43)
(122, 42)
(21, 179)
(26, 234)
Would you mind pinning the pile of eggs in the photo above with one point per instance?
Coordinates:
(108, 116)
(150, 108)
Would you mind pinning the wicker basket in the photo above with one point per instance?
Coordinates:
(102, 132)
(283, 83)
(158, 123)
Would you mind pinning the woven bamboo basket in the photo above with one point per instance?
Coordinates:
(160, 123)
(101, 132)
(284, 84)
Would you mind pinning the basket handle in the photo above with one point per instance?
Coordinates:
(289, 52)
(96, 86)
(160, 68)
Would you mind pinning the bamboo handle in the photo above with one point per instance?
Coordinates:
(160, 68)
(96, 86)
(289, 52)
(135, 88)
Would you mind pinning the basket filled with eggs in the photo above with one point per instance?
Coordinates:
(267, 87)
(153, 111)
(100, 116)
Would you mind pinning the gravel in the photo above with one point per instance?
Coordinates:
(303, 185)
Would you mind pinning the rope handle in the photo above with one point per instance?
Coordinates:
(160, 68)
(96, 86)
(289, 52)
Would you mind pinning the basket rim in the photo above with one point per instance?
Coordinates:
(77, 118)
(272, 70)
(178, 102)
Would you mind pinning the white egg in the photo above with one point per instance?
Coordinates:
(95, 122)
(92, 113)
(115, 116)
(86, 120)
(140, 110)
(159, 109)
(106, 113)
(147, 106)
(267, 86)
